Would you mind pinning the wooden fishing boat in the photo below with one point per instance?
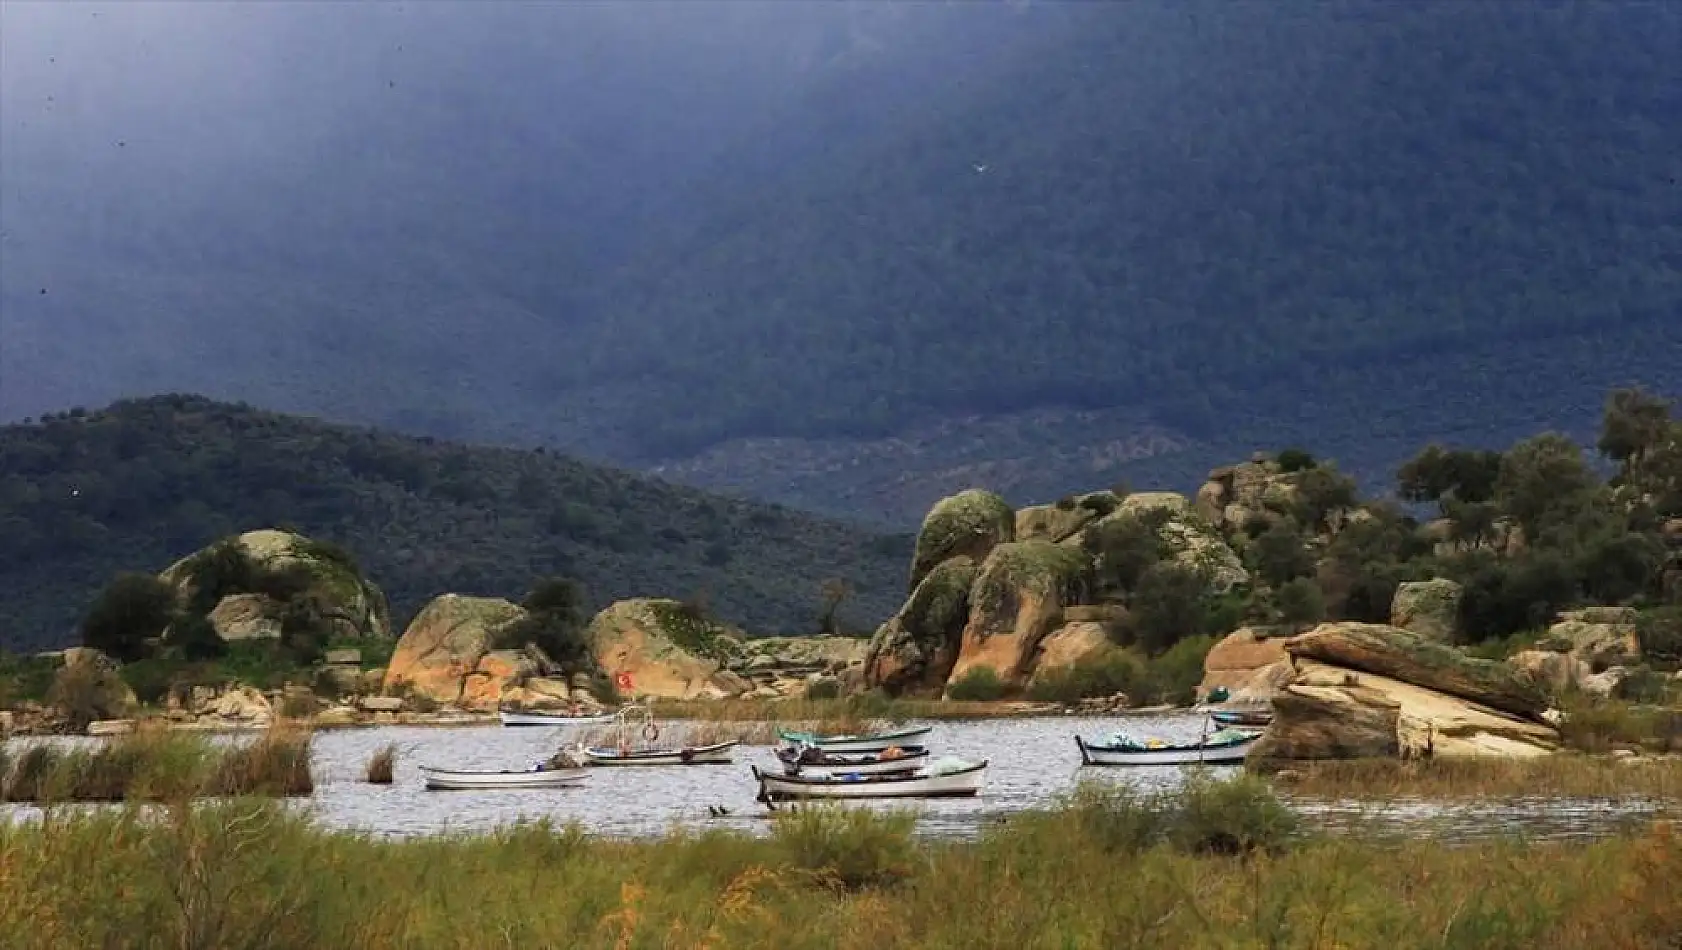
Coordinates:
(716, 754)
(462, 780)
(1227, 746)
(961, 779)
(551, 719)
(1242, 717)
(801, 761)
(875, 742)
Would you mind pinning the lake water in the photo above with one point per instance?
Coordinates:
(1032, 761)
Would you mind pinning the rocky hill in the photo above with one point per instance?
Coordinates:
(1075, 596)
(139, 485)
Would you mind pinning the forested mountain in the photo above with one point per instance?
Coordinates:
(856, 259)
(143, 483)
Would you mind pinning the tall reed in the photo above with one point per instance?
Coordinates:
(157, 765)
(381, 765)
(1108, 869)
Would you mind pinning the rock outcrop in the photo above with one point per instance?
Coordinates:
(914, 651)
(1052, 522)
(668, 651)
(1016, 600)
(445, 643)
(1429, 608)
(967, 524)
(1555, 672)
(261, 574)
(1401, 655)
(1189, 539)
(1599, 636)
(1249, 664)
(1361, 690)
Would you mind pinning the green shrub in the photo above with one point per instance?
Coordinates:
(24, 678)
(848, 848)
(130, 610)
(1230, 816)
(195, 638)
(824, 689)
(1173, 676)
(1660, 634)
(1300, 603)
(149, 678)
(1112, 672)
(980, 684)
(84, 692)
(1644, 685)
(1295, 460)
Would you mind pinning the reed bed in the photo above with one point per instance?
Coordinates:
(158, 765)
(1215, 867)
(381, 765)
(1563, 775)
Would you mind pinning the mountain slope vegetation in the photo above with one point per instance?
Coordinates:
(140, 484)
(1357, 225)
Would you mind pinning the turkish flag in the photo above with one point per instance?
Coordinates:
(623, 681)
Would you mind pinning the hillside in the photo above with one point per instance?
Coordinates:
(857, 263)
(142, 483)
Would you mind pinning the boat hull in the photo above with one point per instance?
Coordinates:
(857, 765)
(860, 744)
(540, 719)
(1232, 717)
(716, 754)
(457, 780)
(965, 783)
(1228, 754)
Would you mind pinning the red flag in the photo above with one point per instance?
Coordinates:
(623, 681)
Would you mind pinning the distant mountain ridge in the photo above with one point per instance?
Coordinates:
(145, 482)
(1036, 248)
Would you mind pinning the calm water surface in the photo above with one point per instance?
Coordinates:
(1032, 761)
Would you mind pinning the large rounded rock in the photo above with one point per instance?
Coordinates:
(444, 643)
(967, 524)
(1429, 608)
(1069, 646)
(1247, 661)
(666, 649)
(915, 649)
(254, 568)
(1017, 598)
(247, 617)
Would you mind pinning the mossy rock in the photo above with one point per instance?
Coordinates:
(330, 577)
(915, 649)
(967, 524)
(1032, 567)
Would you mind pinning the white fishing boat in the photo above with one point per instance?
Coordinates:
(551, 719)
(463, 780)
(1228, 746)
(716, 754)
(874, 742)
(816, 763)
(950, 778)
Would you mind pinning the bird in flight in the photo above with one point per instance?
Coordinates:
(979, 169)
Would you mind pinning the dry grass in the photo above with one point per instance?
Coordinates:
(1565, 775)
(1103, 870)
(1600, 725)
(158, 765)
(381, 765)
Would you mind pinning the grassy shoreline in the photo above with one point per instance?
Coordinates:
(1219, 865)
